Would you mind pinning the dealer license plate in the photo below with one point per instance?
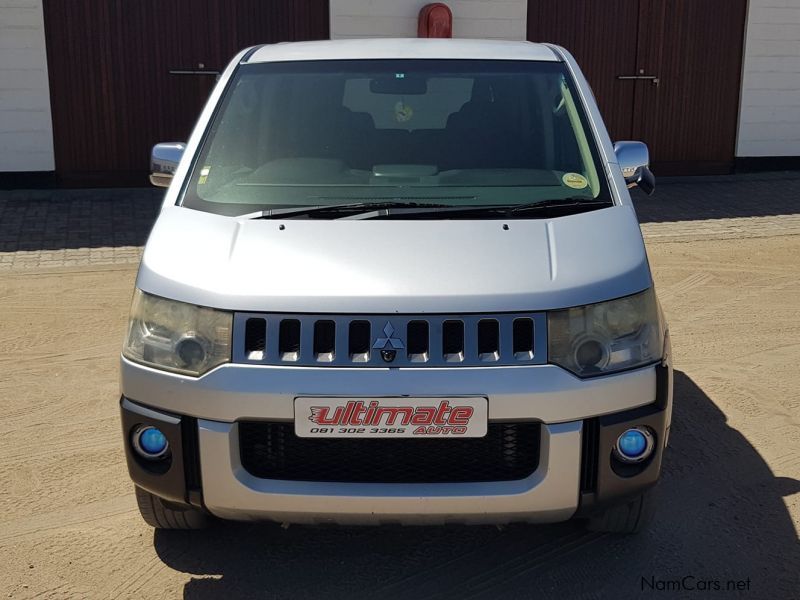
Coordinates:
(391, 417)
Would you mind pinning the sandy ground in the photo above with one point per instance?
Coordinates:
(730, 504)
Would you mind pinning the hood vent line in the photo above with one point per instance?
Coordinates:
(551, 250)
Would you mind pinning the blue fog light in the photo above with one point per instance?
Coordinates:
(634, 445)
(150, 442)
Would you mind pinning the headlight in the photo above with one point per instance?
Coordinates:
(176, 336)
(610, 336)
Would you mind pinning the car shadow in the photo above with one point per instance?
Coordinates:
(722, 517)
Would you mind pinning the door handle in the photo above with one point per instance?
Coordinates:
(653, 78)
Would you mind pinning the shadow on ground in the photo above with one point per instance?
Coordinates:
(722, 517)
(63, 219)
(701, 198)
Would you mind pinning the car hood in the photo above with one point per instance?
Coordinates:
(393, 266)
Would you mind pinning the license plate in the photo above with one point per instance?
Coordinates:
(390, 417)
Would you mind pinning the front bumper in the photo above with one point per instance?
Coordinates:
(580, 421)
(232, 392)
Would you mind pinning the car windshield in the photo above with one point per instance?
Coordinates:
(462, 133)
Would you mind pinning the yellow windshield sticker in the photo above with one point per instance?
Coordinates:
(575, 180)
(403, 112)
(203, 175)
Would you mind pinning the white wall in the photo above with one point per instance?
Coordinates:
(26, 131)
(495, 19)
(769, 120)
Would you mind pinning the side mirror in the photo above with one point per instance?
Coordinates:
(164, 160)
(634, 160)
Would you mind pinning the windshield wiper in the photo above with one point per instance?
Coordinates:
(383, 208)
(379, 210)
(558, 206)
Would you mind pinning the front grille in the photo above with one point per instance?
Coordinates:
(392, 340)
(508, 452)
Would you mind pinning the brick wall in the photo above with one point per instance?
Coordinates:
(769, 121)
(494, 19)
(26, 132)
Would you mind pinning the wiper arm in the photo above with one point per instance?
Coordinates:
(576, 202)
(354, 207)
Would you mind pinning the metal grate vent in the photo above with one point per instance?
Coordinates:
(358, 342)
(255, 338)
(589, 455)
(509, 451)
(289, 340)
(418, 341)
(390, 341)
(488, 340)
(523, 338)
(324, 341)
(453, 341)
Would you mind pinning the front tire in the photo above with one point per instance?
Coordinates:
(160, 515)
(632, 517)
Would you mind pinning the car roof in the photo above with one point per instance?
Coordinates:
(402, 48)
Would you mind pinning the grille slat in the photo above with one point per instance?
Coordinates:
(508, 452)
(412, 340)
(307, 342)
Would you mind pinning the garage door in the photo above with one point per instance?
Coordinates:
(664, 71)
(125, 75)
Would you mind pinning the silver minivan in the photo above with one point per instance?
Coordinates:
(397, 281)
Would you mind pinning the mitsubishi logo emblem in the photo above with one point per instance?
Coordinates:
(388, 344)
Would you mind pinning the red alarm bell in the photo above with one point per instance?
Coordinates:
(435, 21)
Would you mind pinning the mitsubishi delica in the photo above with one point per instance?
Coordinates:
(397, 281)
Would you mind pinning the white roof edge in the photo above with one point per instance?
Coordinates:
(383, 48)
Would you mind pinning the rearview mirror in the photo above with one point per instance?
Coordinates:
(164, 160)
(634, 160)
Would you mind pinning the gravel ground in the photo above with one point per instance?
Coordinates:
(729, 497)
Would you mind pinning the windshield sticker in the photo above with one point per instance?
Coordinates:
(403, 112)
(203, 175)
(575, 180)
